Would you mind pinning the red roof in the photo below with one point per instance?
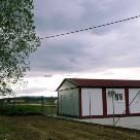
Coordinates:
(102, 83)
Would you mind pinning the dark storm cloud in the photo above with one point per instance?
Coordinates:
(110, 47)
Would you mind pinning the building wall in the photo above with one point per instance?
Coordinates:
(66, 85)
(91, 99)
(135, 105)
(69, 102)
(119, 106)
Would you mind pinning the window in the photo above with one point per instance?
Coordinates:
(118, 97)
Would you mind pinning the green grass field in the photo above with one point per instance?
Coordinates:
(28, 109)
(24, 122)
(43, 128)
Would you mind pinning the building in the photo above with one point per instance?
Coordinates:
(94, 98)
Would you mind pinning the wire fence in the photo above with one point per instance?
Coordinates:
(115, 122)
(28, 106)
(40, 106)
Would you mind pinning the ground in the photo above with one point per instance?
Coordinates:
(132, 122)
(44, 128)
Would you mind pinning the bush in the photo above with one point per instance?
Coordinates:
(20, 110)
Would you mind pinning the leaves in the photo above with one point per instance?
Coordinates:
(17, 40)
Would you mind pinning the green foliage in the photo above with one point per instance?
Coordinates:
(17, 40)
(27, 109)
(30, 100)
(20, 110)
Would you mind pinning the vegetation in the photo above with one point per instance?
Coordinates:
(28, 110)
(20, 110)
(17, 40)
(28, 106)
(30, 100)
(43, 128)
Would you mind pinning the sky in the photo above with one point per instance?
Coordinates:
(110, 52)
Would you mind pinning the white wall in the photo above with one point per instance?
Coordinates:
(67, 85)
(68, 99)
(69, 102)
(92, 103)
(135, 106)
(119, 106)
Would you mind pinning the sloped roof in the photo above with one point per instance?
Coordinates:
(102, 82)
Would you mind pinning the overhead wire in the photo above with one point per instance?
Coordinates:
(91, 28)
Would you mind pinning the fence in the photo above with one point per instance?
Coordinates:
(29, 106)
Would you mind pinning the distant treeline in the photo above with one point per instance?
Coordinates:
(30, 100)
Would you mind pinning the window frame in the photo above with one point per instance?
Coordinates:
(119, 97)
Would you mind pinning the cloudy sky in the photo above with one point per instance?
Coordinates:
(108, 52)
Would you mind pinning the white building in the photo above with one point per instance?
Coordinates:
(89, 98)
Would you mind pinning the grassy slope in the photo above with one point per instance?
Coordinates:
(42, 128)
(27, 109)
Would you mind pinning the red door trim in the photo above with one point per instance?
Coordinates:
(127, 101)
(104, 102)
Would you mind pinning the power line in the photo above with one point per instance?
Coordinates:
(90, 28)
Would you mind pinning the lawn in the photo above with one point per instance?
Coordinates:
(43, 128)
(28, 109)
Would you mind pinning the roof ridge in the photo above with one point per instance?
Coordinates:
(70, 79)
(102, 79)
(81, 82)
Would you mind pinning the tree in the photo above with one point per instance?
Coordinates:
(17, 41)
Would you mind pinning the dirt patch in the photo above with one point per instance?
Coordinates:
(43, 128)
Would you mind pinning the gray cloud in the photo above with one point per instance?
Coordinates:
(72, 14)
(31, 90)
(115, 46)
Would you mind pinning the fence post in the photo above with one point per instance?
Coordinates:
(42, 103)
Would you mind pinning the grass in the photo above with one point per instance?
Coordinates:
(27, 109)
(43, 128)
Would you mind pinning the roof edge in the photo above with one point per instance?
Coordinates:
(68, 79)
(60, 84)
